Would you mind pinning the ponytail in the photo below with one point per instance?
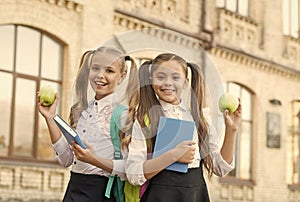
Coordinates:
(197, 102)
(145, 94)
(132, 92)
(132, 89)
(151, 108)
(81, 84)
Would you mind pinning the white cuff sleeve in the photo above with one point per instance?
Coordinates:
(63, 152)
(137, 155)
(221, 167)
(134, 172)
(119, 169)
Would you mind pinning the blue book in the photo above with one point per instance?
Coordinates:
(69, 133)
(171, 132)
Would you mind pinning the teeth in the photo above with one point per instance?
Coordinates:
(100, 83)
(168, 91)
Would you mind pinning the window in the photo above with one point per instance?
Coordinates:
(29, 59)
(291, 18)
(236, 6)
(243, 153)
(295, 143)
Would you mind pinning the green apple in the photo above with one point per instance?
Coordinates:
(47, 95)
(228, 101)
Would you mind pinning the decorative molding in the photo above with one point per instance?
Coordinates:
(176, 9)
(254, 62)
(31, 179)
(55, 181)
(7, 177)
(156, 29)
(296, 40)
(49, 182)
(241, 32)
(68, 4)
(291, 50)
(231, 192)
(237, 16)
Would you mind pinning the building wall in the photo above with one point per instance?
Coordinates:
(254, 54)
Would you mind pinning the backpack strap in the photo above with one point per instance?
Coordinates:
(115, 126)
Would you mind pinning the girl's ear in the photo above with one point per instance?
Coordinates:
(123, 75)
(186, 83)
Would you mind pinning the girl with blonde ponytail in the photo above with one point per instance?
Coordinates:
(96, 167)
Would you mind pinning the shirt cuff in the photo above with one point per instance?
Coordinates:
(221, 167)
(119, 169)
(134, 174)
(60, 146)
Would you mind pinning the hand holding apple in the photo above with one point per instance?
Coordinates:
(47, 95)
(228, 101)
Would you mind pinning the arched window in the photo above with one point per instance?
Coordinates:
(294, 149)
(29, 59)
(244, 143)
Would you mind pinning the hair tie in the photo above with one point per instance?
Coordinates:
(127, 57)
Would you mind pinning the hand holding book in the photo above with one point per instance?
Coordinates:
(173, 133)
(186, 150)
(87, 155)
(69, 133)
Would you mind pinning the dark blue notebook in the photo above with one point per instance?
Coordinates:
(69, 133)
(171, 132)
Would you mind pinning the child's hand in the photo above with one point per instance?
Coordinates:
(85, 155)
(233, 120)
(186, 151)
(47, 112)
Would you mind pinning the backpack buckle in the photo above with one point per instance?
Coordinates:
(117, 155)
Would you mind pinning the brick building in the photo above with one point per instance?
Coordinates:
(254, 46)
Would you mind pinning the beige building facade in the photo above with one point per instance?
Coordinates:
(252, 48)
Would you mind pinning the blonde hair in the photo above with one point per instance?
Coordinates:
(82, 79)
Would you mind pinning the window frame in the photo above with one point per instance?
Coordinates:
(33, 157)
(288, 20)
(233, 179)
(237, 10)
(295, 132)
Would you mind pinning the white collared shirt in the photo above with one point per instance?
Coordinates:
(94, 128)
(138, 149)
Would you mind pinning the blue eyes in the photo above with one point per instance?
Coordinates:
(98, 69)
(95, 69)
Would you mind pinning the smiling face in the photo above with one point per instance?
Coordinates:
(106, 72)
(169, 80)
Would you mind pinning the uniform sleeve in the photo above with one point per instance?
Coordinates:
(63, 152)
(119, 169)
(137, 155)
(221, 167)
